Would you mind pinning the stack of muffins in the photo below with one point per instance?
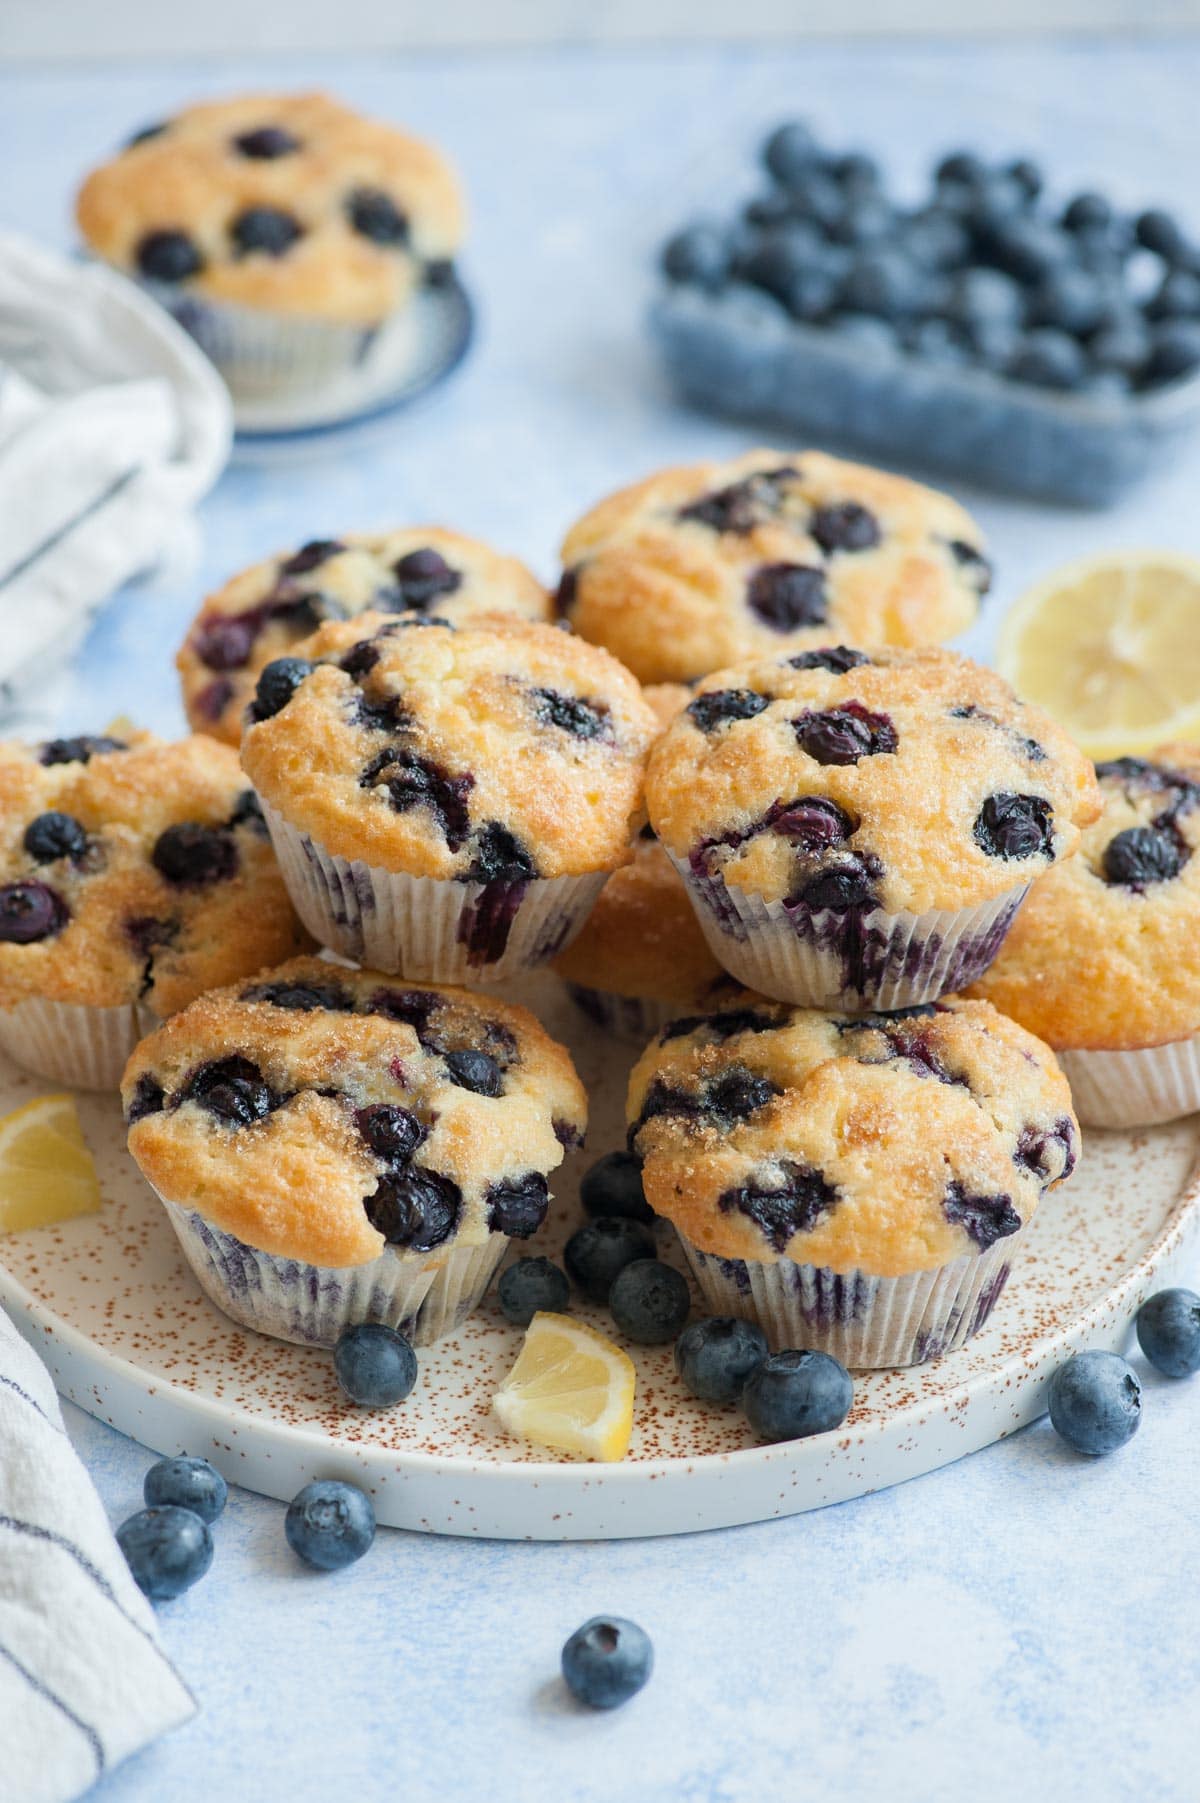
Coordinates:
(781, 863)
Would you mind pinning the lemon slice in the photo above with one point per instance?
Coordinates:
(1111, 648)
(570, 1389)
(46, 1170)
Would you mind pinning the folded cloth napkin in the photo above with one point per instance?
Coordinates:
(112, 427)
(83, 1679)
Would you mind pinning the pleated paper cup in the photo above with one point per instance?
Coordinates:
(72, 1043)
(422, 1294)
(635, 1018)
(869, 1323)
(1140, 1088)
(429, 928)
(849, 959)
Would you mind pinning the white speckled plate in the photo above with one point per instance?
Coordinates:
(111, 1306)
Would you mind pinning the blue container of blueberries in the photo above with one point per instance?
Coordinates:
(983, 335)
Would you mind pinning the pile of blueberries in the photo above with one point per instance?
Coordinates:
(985, 273)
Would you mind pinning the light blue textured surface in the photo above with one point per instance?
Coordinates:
(1020, 1625)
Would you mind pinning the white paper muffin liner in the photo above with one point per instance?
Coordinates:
(1139, 1088)
(827, 958)
(72, 1043)
(869, 1323)
(423, 1294)
(263, 355)
(636, 1018)
(429, 928)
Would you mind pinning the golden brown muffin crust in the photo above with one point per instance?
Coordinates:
(642, 937)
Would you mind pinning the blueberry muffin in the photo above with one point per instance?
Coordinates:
(446, 800)
(708, 565)
(855, 1183)
(263, 612)
(333, 1147)
(133, 876)
(283, 230)
(1103, 961)
(858, 828)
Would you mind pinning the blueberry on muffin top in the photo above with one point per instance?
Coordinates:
(287, 202)
(322, 1113)
(504, 750)
(699, 567)
(262, 612)
(889, 1143)
(1105, 952)
(836, 778)
(133, 870)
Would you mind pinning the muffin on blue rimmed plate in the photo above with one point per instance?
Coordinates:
(857, 1184)
(334, 1146)
(857, 828)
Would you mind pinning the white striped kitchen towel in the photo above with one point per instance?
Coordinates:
(84, 1681)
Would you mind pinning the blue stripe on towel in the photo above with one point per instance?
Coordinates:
(43, 1690)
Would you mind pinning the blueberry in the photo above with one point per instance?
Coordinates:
(775, 265)
(269, 230)
(1168, 1331)
(845, 526)
(377, 217)
(871, 334)
(412, 781)
(597, 1252)
(811, 293)
(531, 1286)
(698, 255)
(266, 143)
(375, 1365)
(984, 1218)
(302, 998)
(1095, 1402)
(1121, 349)
(168, 257)
(857, 172)
(606, 1661)
(983, 294)
(191, 855)
(791, 1395)
(613, 1187)
(787, 596)
(843, 735)
(499, 856)
(1027, 176)
(186, 1483)
(993, 202)
(148, 1098)
(1159, 232)
(1047, 358)
(837, 659)
(310, 556)
(80, 750)
(414, 1207)
(1015, 826)
(571, 714)
(866, 220)
(767, 211)
(1144, 854)
(846, 886)
(1174, 351)
(424, 574)
(277, 683)
(959, 168)
(53, 836)
(1178, 297)
(247, 812)
(518, 1207)
(936, 238)
(1069, 299)
(392, 1133)
(812, 823)
(793, 1199)
(718, 706)
(476, 1071)
(30, 912)
(1027, 248)
(717, 1356)
(790, 151)
(884, 283)
(330, 1524)
(937, 341)
(649, 1302)
(1088, 212)
(166, 1549)
(816, 197)
(232, 1090)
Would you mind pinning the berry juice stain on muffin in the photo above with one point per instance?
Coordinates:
(701, 567)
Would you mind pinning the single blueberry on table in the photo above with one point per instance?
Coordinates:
(596, 1253)
(54, 835)
(607, 1661)
(186, 1483)
(718, 706)
(376, 216)
(716, 1357)
(790, 151)
(787, 596)
(329, 1524)
(1144, 854)
(268, 230)
(79, 750)
(791, 1395)
(277, 683)
(613, 1187)
(649, 1302)
(167, 1550)
(1015, 826)
(414, 1207)
(530, 1287)
(698, 255)
(168, 257)
(1168, 1331)
(30, 912)
(1095, 1402)
(375, 1366)
(266, 143)
(191, 855)
(391, 1132)
(518, 1206)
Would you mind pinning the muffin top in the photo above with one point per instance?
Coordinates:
(288, 202)
(642, 937)
(888, 1143)
(708, 565)
(133, 870)
(262, 612)
(494, 752)
(906, 780)
(1105, 952)
(320, 1113)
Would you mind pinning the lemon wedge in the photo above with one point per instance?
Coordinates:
(46, 1170)
(570, 1389)
(1111, 648)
